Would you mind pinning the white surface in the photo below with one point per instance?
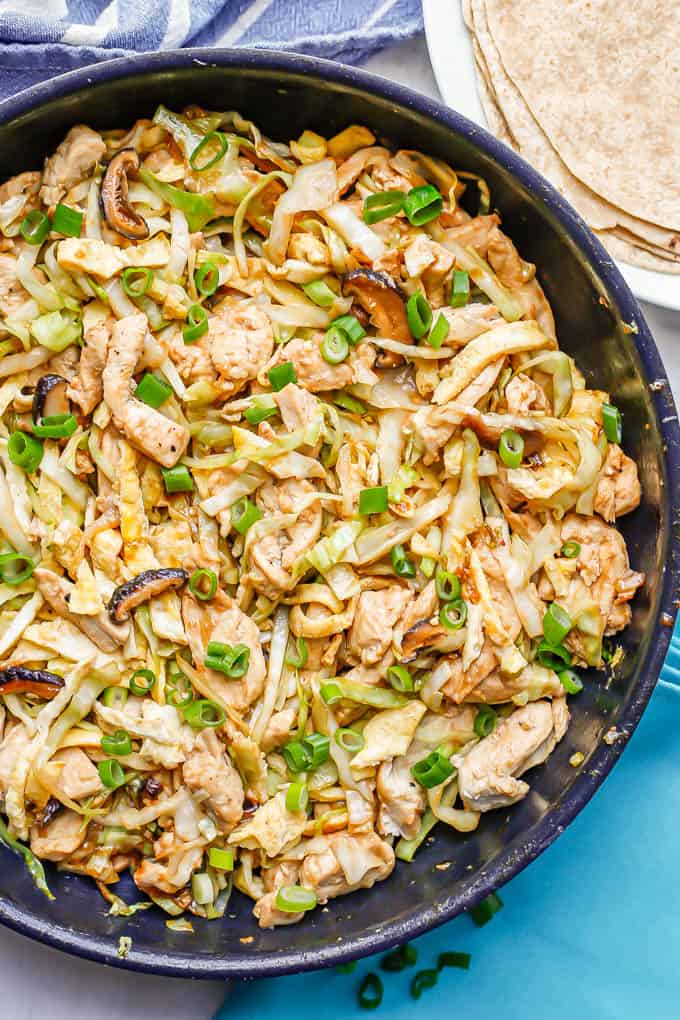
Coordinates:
(40, 982)
(450, 49)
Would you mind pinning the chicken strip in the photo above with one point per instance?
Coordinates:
(209, 773)
(377, 613)
(160, 438)
(62, 837)
(87, 388)
(73, 160)
(488, 774)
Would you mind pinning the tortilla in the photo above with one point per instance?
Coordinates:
(602, 79)
(510, 119)
(623, 251)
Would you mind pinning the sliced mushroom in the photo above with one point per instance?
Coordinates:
(380, 297)
(49, 397)
(426, 634)
(19, 680)
(119, 213)
(143, 587)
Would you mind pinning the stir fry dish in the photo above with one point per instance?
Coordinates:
(307, 525)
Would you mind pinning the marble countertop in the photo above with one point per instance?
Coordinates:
(38, 981)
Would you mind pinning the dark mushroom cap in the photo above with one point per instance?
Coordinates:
(19, 680)
(143, 587)
(119, 214)
(423, 634)
(49, 397)
(378, 294)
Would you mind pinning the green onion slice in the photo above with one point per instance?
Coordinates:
(399, 959)
(423, 204)
(423, 979)
(297, 797)
(349, 740)
(439, 332)
(197, 324)
(554, 657)
(207, 279)
(136, 280)
(400, 679)
(115, 697)
(351, 326)
(152, 391)
(24, 451)
(373, 501)
(142, 682)
(203, 584)
(612, 422)
(460, 289)
(453, 615)
(293, 899)
(382, 205)
(210, 150)
(280, 375)
(244, 514)
(296, 756)
(178, 690)
(55, 426)
(221, 858)
(177, 479)
(484, 911)
(117, 743)
(401, 564)
(571, 549)
(111, 773)
(202, 713)
(556, 624)
(447, 586)
(348, 403)
(571, 681)
(320, 293)
(451, 959)
(334, 346)
(317, 746)
(257, 413)
(67, 221)
(511, 448)
(418, 315)
(16, 574)
(370, 992)
(35, 227)
(485, 721)
(433, 770)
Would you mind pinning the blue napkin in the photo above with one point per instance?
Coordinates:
(42, 38)
(590, 930)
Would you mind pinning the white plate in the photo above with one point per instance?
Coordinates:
(448, 41)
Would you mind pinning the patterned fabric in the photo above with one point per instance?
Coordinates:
(42, 38)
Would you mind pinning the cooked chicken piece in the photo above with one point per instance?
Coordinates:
(273, 557)
(309, 249)
(505, 261)
(208, 772)
(462, 682)
(349, 863)
(12, 294)
(402, 800)
(75, 775)
(487, 775)
(62, 837)
(87, 388)
(523, 396)
(470, 321)
(618, 489)
(221, 620)
(57, 590)
(377, 612)
(497, 688)
(351, 170)
(604, 568)
(12, 747)
(475, 233)
(27, 183)
(73, 160)
(239, 343)
(311, 371)
(280, 727)
(422, 253)
(160, 438)
(297, 406)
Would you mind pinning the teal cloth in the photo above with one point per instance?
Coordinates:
(589, 931)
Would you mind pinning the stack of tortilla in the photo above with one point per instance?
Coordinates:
(588, 91)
